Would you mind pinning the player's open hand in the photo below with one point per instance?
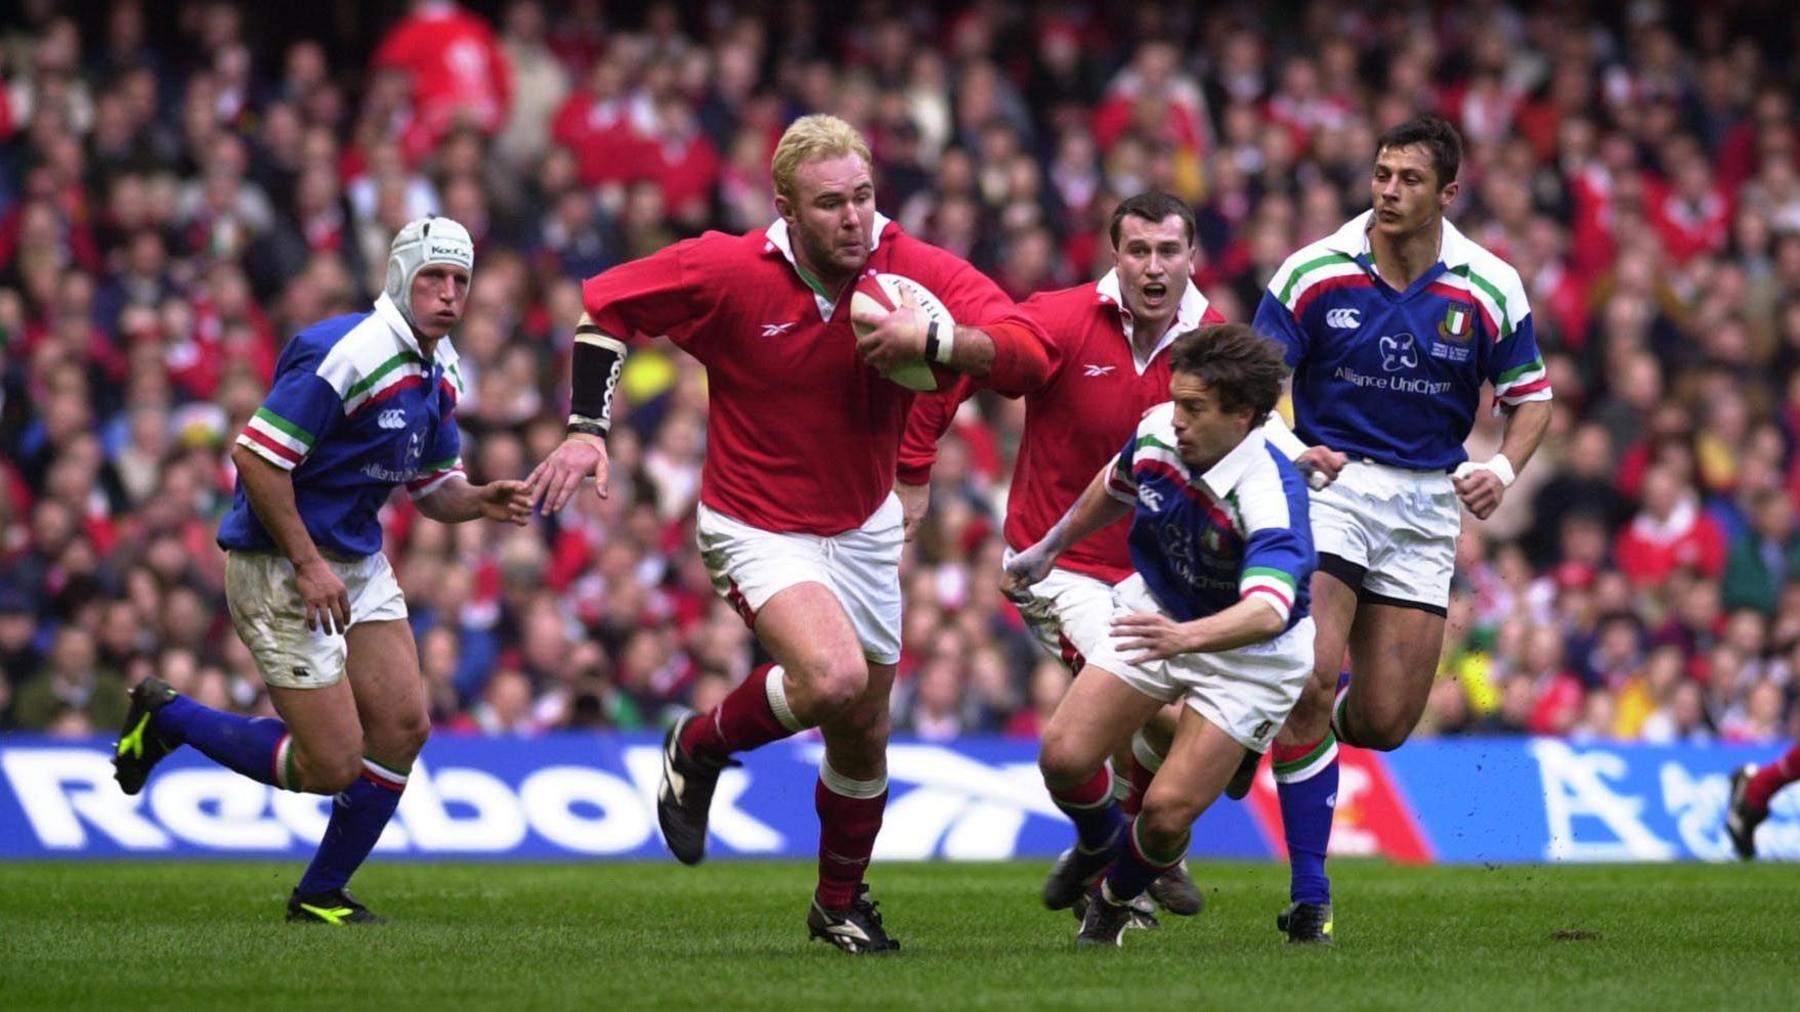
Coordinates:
(326, 600)
(553, 483)
(914, 500)
(1154, 637)
(1480, 491)
(897, 338)
(506, 501)
(1321, 465)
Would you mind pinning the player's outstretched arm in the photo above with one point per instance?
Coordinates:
(1482, 484)
(459, 501)
(599, 361)
(554, 482)
(1097, 508)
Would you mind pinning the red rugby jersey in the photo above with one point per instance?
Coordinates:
(802, 436)
(1075, 422)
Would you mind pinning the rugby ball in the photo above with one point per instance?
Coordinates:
(882, 293)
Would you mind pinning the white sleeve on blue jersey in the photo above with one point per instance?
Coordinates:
(1278, 550)
(1517, 369)
(298, 412)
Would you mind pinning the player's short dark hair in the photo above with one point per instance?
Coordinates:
(1153, 206)
(1242, 368)
(1433, 133)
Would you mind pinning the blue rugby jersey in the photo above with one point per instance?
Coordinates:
(355, 411)
(1395, 377)
(1204, 542)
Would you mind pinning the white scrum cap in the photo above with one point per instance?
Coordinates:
(430, 240)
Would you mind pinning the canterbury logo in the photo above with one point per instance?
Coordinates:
(1344, 319)
(392, 418)
(1097, 370)
(775, 329)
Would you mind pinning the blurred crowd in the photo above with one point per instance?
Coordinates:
(185, 185)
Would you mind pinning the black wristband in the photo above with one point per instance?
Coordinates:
(587, 428)
(598, 362)
(931, 341)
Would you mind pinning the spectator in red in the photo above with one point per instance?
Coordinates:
(1154, 84)
(595, 124)
(1557, 694)
(1692, 214)
(458, 71)
(1670, 532)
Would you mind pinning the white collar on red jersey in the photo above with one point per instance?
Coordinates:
(777, 238)
(1353, 240)
(1188, 316)
(1224, 476)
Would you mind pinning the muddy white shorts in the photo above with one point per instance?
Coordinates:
(1246, 692)
(1394, 529)
(749, 565)
(1069, 613)
(270, 617)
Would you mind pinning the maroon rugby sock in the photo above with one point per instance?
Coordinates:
(754, 714)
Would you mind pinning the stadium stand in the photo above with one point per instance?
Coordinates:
(185, 185)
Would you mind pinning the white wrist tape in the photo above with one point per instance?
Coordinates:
(946, 342)
(1498, 464)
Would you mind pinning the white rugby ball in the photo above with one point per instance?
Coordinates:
(882, 293)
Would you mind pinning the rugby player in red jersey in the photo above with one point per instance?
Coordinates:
(797, 522)
(1112, 338)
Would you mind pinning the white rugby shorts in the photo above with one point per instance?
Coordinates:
(1399, 526)
(270, 617)
(749, 565)
(1247, 692)
(1068, 613)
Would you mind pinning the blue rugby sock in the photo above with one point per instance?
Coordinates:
(1094, 810)
(1134, 868)
(257, 747)
(1306, 780)
(358, 815)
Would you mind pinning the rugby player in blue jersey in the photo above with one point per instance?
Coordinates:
(1215, 616)
(361, 404)
(1391, 324)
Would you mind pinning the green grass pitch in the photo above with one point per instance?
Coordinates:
(130, 936)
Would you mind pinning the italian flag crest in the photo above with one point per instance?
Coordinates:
(1458, 321)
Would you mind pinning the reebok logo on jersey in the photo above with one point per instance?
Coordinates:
(392, 418)
(1097, 370)
(775, 329)
(1398, 353)
(1344, 319)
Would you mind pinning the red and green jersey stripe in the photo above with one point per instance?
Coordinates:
(276, 439)
(1275, 586)
(401, 371)
(433, 475)
(1528, 382)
